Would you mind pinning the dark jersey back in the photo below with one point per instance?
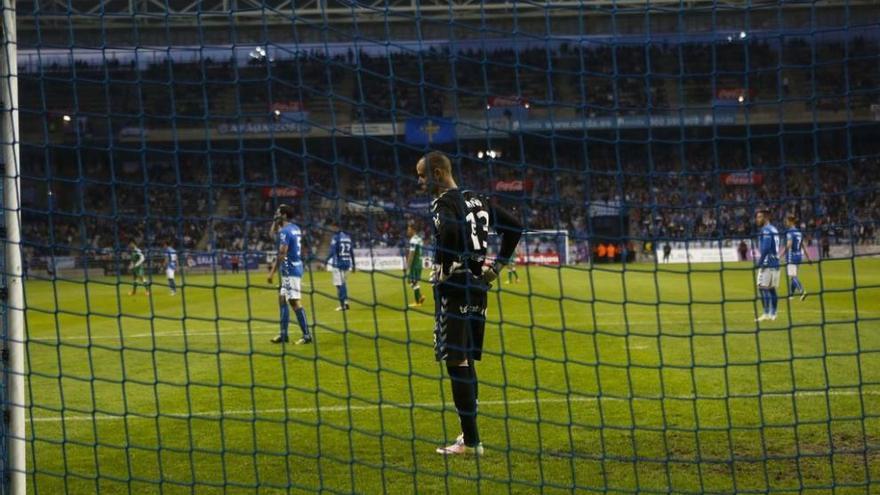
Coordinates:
(462, 220)
(466, 216)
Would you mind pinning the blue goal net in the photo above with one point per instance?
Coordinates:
(691, 309)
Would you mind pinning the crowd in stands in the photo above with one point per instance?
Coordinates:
(666, 184)
(218, 201)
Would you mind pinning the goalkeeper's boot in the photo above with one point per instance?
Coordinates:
(304, 340)
(803, 295)
(279, 339)
(763, 317)
(459, 448)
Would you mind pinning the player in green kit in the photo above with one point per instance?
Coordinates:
(414, 264)
(136, 265)
(511, 273)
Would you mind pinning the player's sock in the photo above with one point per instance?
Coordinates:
(765, 300)
(798, 285)
(476, 382)
(303, 325)
(285, 319)
(340, 294)
(774, 301)
(465, 398)
(172, 285)
(418, 293)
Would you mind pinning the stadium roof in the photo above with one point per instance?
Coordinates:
(145, 23)
(122, 14)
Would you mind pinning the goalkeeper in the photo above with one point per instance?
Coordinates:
(461, 231)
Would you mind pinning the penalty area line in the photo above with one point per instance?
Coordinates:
(255, 413)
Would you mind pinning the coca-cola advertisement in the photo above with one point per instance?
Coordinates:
(742, 179)
(516, 186)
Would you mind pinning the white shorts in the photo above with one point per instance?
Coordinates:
(768, 278)
(169, 272)
(791, 269)
(291, 288)
(339, 276)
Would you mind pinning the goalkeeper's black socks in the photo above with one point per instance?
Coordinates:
(474, 378)
(464, 394)
(418, 294)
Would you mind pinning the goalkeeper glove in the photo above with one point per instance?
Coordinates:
(438, 276)
(490, 272)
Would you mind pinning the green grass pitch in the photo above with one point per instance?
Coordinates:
(655, 379)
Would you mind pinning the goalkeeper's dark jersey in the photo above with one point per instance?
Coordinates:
(462, 220)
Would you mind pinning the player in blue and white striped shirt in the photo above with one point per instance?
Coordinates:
(768, 265)
(794, 252)
(341, 260)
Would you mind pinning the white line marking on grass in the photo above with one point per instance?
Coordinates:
(426, 405)
(243, 329)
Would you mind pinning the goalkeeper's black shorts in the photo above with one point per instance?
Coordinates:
(459, 322)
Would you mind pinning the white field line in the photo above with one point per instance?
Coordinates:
(244, 329)
(256, 413)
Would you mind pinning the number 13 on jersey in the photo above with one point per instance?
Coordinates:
(479, 222)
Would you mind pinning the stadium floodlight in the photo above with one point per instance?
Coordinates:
(258, 53)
